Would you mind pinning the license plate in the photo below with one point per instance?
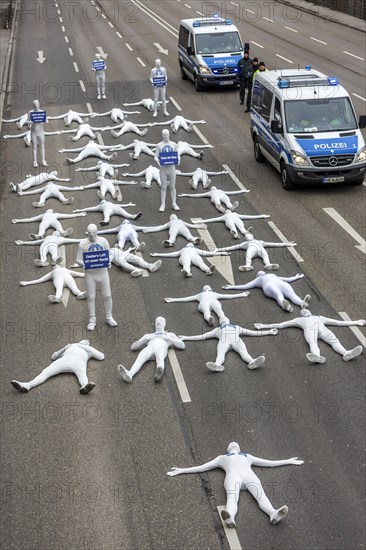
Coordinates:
(226, 82)
(337, 179)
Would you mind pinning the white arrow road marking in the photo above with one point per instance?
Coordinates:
(102, 53)
(355, 330)
(291, 249)
(222, 263)
(160, 48)
(230, 533)
(183, 390)
(40, 57)
(347, 227)
(66, 291)
(233, 176)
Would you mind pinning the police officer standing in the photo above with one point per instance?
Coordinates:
(245, 73)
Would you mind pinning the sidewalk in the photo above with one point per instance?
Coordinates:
(321, 12)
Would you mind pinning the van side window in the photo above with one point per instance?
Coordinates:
(262, 100)
(183, 37)
(277, 111)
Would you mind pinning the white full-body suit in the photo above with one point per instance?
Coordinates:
(275, 287)
(48, 219)
(51, 191)
(96, 277)
(151, 173)
(20, 120)
(159, 72)
(131, 263)
(208, 302)
(228, 337)
(180, 122)
(91, 149)
(129, 126)
(167, 172)
(147, 102)
(200, 175)
(256, 248)
(49, 247)
(234, 221)
(126, 231)
(73, 358)
(32, 181)
(37, 136)
(189, 255)
(72, 116)
(27, 136)
(177, 227)
(61, 277)
(116, 114)
(106, 185)
(104, 168)
(314, 327)
(87, 130)
(157, 346)
(100, 77)
(110, 209)
(219, 198)
(239, 476)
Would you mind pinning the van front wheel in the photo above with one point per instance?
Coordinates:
(197, 85)
(258, 155)
(182, 73)
(285, 178)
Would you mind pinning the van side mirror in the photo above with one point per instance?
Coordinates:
(362, 121)
(276, 127)
(190, 50)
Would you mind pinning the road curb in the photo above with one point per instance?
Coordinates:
(8, 59)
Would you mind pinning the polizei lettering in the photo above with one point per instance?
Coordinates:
(337, 145)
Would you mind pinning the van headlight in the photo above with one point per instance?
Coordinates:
(204, 70)
(361, 155)
(299, 158)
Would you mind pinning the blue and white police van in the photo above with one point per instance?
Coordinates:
(304, 123)
(208, 51)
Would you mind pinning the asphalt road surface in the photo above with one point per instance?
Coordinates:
(90, 472)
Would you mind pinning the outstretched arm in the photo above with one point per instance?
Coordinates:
(194, 298)
(24, 220)
(109, 231)
(236, 192)
(241, 246)
(251, 284)
(215, 463)
(38, 241)
(278, 245)
(68, 188)
(247, 332)
(197, 225)
(337, 323)
(76, 150)
(92, 185)
(213, 253)
(199, 337)
(156, 228)
(231, 296)
(292, 279)
(34, 192)
(66, 216)
(175, 341)
(258, 217)
(97, 208)
(166, 254)
(90, 169)
(212, 220)
(285, 324)
(263, 463)
(195, 195)
(46, 277)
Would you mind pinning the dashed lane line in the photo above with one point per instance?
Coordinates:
(317, 40)
(359, 96)
(284, 58)
(119, 34)
(82, 86)
(291, 29)
(175, 103)
(129, 47)
(356, 331)
(347, 227)
(76, 67)
(256, 44)
(111, 25)
(67, 40)
(182, 387)
(233, 177)
(282, 237)
(269, 20)
(71, 52)
(353, 55)
(141, 62)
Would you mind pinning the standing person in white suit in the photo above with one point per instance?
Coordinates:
(159, 79)
(99, 67)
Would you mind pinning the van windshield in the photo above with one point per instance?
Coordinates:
(320, 115)
(218, 42)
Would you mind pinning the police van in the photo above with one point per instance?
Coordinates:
(304, 123)
(208, 51)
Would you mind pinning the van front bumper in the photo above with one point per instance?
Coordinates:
(219, 82)
(314, 176)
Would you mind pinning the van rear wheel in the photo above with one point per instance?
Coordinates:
(197, 85)
(182, 73)
(287, 182)
(258, 155)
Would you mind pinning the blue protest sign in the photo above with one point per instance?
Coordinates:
(37, 116)
(99, 65)
(168, 157)
(96, 259)
(159, 81)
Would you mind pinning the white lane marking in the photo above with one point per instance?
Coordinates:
(110, 24)
(67, 40)
(119, 35)
(222, 263)
(347, 227)
(317, 40)
(66, 291)
(96, 7)
(61, 20)
(129, 47)
(233, 176)
(187, 6)
(234, 4)
(104, 16)
(284, 58)
(291, 29)
(175, 103)
(232, 537)
(63, 29)
(356, 331)
(200, 13)
(256, 43)
(267, 19)
(183, 390)
(89, 107)
(359, 96)
(145, 272)
(71, 52)
(82, 86)
(250, 11)
(58, 12)
(200, 135)
(353, 55)
(282, 237)
(140, 61)
(76, 67)
(167, 26)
